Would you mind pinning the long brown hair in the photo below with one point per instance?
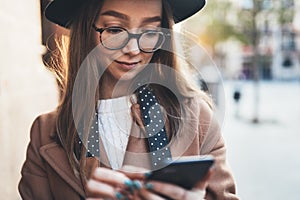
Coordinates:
(80, 44)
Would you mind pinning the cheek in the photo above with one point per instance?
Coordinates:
(147, 57)
(103, 58)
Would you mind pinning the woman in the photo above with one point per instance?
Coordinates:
(100, 140)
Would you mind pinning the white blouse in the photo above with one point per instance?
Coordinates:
(114, 127)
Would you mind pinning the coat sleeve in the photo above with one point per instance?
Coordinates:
(221, 184)
(34, 181)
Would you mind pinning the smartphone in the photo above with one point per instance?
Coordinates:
(185, 171)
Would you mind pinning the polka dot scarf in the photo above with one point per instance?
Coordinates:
(154, 125)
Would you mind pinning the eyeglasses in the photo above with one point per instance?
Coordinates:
(115, 38)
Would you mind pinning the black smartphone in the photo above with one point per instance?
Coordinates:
(185, 171)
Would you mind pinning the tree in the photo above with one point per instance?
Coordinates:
(247, 24)
(217, 26)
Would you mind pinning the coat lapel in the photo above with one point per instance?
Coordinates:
(57, 159)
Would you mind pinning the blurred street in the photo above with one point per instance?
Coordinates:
(265, 156)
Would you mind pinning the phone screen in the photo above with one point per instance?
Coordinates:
(184, 172)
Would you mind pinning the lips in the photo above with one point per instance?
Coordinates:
(127, 65)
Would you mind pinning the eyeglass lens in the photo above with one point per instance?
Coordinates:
(116, 38)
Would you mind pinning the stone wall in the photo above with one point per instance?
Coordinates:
(27, 89)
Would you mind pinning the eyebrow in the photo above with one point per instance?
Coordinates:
(126, 17)
(115, 14)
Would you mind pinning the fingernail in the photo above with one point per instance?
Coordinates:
(133, 99)
(147, 174)
(149, 186)
(119, 196)
(128, 183)
(137, 184)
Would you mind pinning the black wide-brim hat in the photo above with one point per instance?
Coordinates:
(61, 12)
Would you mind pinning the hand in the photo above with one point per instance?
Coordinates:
(154, 190)
(107, 184)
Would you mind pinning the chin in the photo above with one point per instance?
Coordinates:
(128, 76)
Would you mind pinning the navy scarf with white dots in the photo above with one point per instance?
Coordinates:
(155, 128)
(154, 125)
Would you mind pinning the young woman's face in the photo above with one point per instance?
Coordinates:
(136, 16)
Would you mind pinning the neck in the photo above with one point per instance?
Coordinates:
(111, 88)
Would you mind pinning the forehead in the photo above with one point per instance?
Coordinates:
(134, 9)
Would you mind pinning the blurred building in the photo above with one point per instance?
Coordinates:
(252, 39)
(278, 42)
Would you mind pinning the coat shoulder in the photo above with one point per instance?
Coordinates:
(200, 107)
(43, 129)
(205, 117)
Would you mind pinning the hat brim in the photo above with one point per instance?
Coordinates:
(183, 9)
(61, 12)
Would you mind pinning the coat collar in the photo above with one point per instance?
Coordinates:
(56, 157)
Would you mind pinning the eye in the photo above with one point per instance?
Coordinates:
(114, 30)
(151, 34)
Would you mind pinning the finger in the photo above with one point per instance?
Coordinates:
(99, 189)
(136, 115)
(133, 99)
(109, 176)
(166, 189)
(196, 194)
(148, 195)
(175, 192)
(133, 172)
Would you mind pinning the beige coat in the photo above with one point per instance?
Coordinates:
(46, 173)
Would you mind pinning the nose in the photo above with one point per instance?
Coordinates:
(132, 47)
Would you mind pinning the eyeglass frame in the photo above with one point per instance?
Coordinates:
(136, 36)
